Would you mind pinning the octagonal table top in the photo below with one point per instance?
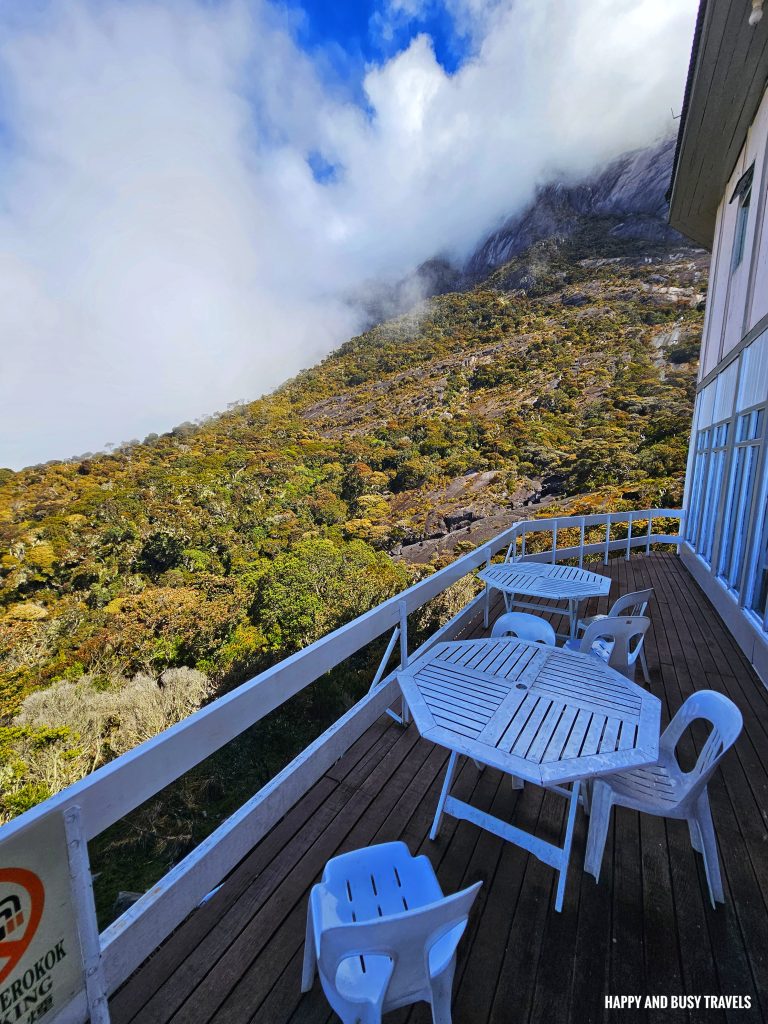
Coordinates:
(541, 713)
(546, 579)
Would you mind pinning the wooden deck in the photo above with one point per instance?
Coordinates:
(647, 928)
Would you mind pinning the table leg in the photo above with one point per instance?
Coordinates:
(566, 851)
(443, 795)
(573, 607)
(405, 712)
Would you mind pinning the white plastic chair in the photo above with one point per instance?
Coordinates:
(665, 790)
(630, 604)
(382, 935)
(618, 641)
(525, 627)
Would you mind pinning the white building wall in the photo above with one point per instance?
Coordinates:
(757, 143)
(738, 297)
(726, 546)
(711, 345)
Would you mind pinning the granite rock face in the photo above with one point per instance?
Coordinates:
(625, 201)
(620, 209)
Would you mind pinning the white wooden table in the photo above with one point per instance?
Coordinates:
(542, 714)
(546, 580)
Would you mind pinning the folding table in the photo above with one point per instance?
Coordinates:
(546, 580)
(542, 714)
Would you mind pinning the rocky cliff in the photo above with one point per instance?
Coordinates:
(619, 212)
(625, 203)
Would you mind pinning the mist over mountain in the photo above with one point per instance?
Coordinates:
(624, 202)
(188, 233)
(619, 208)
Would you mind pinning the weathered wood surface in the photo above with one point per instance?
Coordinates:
(646, 928)
(539, 579)
(538, 712)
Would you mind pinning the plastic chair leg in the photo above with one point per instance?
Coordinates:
(310, 957)
(442, 987)
(599, 820)
(361, 1013)
(644, 666)
(695, 832)
(709, 849)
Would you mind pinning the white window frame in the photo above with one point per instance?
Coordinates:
(743, 473)
(742, 192)
(710, 463)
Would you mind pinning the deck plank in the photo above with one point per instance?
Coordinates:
(647, 927)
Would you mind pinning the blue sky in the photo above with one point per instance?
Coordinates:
(346, 38)
(357, 32)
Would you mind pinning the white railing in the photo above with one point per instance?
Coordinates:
(113, 791)
(553, 551)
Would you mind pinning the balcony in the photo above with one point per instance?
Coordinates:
(647, 928)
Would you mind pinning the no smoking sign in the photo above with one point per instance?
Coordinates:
(40, 961)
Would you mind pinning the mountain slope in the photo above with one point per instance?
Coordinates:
(565, 376)
(157, 554)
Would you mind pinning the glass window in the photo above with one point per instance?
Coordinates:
(711, 503)
(740, 496)
(742, 217)
(699, 470)
(760, 583)
(707, 488)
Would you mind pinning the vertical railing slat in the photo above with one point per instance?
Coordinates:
(404, 653)
(85, 915)
(629, 536)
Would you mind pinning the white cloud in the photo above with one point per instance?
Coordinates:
(164, 247)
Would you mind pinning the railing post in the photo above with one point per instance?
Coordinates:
(554, 543)
(629, 536)
(648, 536)
(85, 915)
(403, 607)
(581, 543)
(607, 540)
(487, 607)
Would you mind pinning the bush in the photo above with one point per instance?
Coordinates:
(161, 551)
(413, 474)
(68, 730)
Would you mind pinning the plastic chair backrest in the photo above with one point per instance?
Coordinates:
(406, 938)
(624, 636)
(726, 721)
(524, 627)
(632, 604)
